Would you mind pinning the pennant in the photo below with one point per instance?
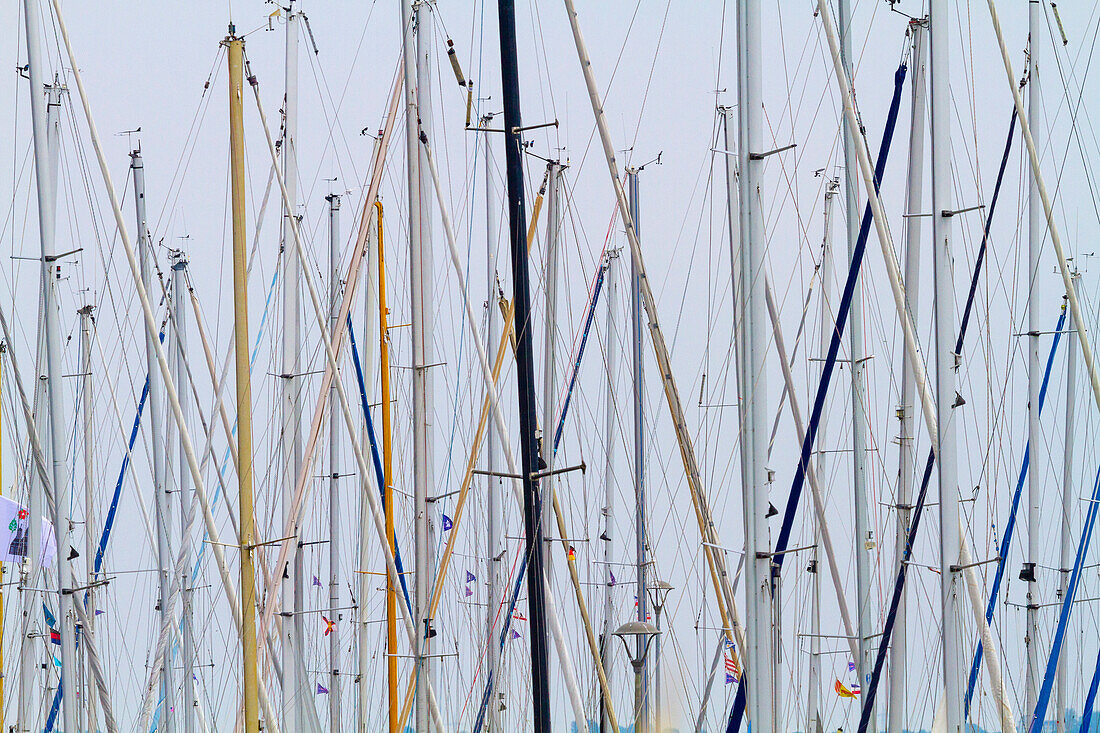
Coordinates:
(855, 688)
(447, 523)
(571, 554)
(730, 679)
(515, 634)
(732, 668)
(851, 666)
(317, 582)
(613, 581)
(55, 637)
(729, 643)
(99, 612)
(843, 691)
(470, 577)
(330, 625)
(321, 689)
(469, 592)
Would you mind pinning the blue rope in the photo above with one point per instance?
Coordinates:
(1090, 699)
(580, 353)
(738, 710)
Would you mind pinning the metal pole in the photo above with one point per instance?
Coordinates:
(864, 539)
(1036, 226)
(155, 424)
(90, 532)
(292, 631)
(532, 497)
(186, 497)
(611, 354)
(914, 205)
(494, 550)
(637, 334)
(1068, 499)
(828, 324)
(334, 549)
(550, 285)
(754, 418)
(244, 384)
(945, 358)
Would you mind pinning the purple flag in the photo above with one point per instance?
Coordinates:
(447, 523)
(321, 690)
(515, 634)
(730, 679)
(470, 577)
(613, 581)
(469, 592)
(317, 582)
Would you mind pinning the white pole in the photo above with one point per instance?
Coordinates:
(1036, 454)
(1068, 500)
(549, 395)
(154, 422)
(334, 508)
(828, 323)
(943, 203)
(46, 203)
(865, 614)
(295, 694)
(494, 550)
(754, 444)
(914, 205)
(87, 397)
(611, 354)
(186, 497)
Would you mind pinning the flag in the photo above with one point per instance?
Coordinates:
(515, 634)
(321, 690)
(730, 679)
(729, 643)
(55, 637)
(855, 688)
(732, 668)
(571, 554)
(469, 592)
(851, 666)
(470, 577)
(519, 617)
(843, 691)
(317, 582)
(99, 612)
(447, 523)
(330, 625)
(613, 581)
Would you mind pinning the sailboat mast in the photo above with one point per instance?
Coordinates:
(244, 384)
(946, 448)
(334, 549)
(1066, 550)
(611, 354)
(494, 549)
(44, 170)
(637, 335)
(529, 449)
(828, 324)
(292, 631)
(550, 285)
(865, 615)
(155, 423)
(754, 418)
(914, 198)
(186, 495)
(1036, 229)
(88, 416)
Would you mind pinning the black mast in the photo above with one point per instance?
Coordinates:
(517, 219)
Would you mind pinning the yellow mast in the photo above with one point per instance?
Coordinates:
(387, 470)
(244, 385)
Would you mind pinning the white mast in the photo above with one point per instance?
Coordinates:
(155, 423)
(44, 170)
(549, 419)
(611, 353)
(1068, 501)
(1036, 230)
(637, 335)
(494, 506)
(88, 415)
(945, 357)
(294, 692)
(334, 549)
(416, 49)
(914, 205)
(754, 419)
(828, 323)
(863, 537)
(186, 492)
